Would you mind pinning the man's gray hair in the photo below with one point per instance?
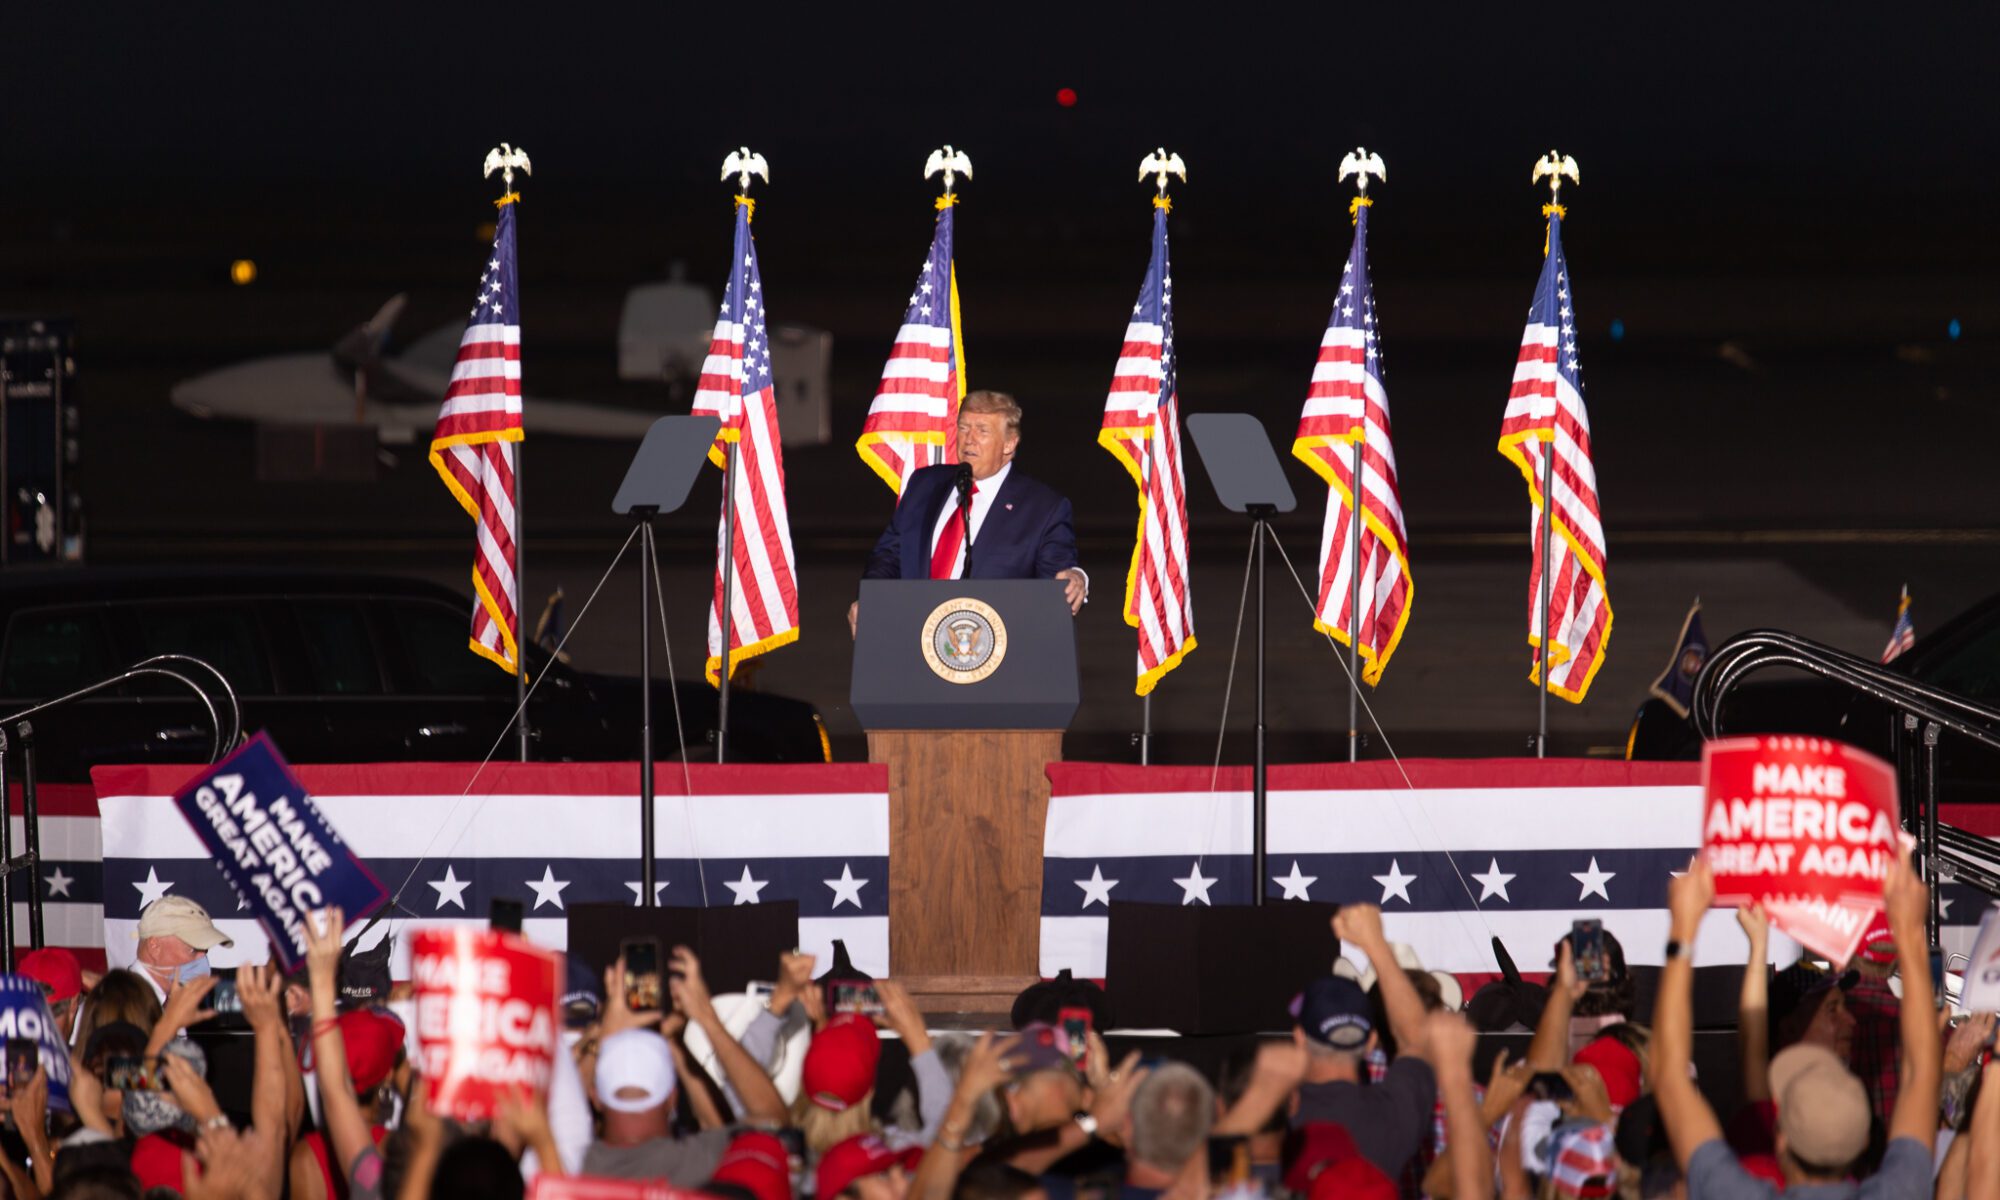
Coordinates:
(1171, 1115)
(998, 403)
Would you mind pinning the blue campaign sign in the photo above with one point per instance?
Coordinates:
(274, 846)
(24, 1016)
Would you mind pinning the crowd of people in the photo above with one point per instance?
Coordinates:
(1851, 1086)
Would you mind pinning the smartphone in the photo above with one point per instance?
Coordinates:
(23, 1057)
(758, 989)
(127, 1074)
(223, 998)
(1937, 980)
(1549, 1085)
(853, 996)
(504, 914)
(1075, 1024)
(643, 989)
(1586, 950)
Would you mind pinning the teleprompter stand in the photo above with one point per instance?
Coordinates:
(658, 481)
(1247, 478)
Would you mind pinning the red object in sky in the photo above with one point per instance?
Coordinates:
(1066, 97)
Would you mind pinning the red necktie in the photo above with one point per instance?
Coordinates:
(944, 559)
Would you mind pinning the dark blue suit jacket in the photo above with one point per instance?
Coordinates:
(1025, 535)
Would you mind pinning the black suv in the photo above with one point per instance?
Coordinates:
(337, 667)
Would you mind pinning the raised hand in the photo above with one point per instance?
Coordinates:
(190, 1090)
(1114, 1102)
(1904, 895)
(617, 1017)
(987, 1065)
(899, 1013)
(1756, 923)
(324, 930)
(183, 1007)
(1360, 924)
(690, 991)
(261, 989)
(1689, 897)
(795, 979)
(1451, 1041)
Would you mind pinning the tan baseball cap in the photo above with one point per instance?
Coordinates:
(1822, 1107)
(178, 916)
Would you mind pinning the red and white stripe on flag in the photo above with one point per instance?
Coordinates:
(1347, 405)
(1142, 430)
(913, 420)
(736, 387)
(1545, 408)
(474, 447)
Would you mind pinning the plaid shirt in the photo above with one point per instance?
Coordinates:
(1412, 1183)
(1878, 1042)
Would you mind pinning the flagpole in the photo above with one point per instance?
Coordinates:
(504, 158)
(731, 452)
(1354, 596)
(1548, 528)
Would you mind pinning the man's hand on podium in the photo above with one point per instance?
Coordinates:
(1076, 588)
(854, 619)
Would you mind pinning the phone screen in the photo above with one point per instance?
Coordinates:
(642, 973)
(1075, 1023)
(855, 996)
(23, 1057)
(1586, 949)
(224, 998)
(134, 1074)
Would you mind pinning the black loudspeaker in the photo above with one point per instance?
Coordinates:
(1201, 970)
(735, 944)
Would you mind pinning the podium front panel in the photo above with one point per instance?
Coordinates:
(964, 654)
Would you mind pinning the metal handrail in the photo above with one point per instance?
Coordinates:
(176, 667)
(1925, 712)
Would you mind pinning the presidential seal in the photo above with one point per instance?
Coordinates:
(964, 640)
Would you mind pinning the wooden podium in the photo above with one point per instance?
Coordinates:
(966, 740)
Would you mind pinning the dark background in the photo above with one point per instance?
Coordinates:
(1785, 207)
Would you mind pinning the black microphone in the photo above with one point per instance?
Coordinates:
(964, 483)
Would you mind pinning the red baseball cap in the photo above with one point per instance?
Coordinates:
(1318, 1146)
(1353, 1179)
(756, 1162)
(840, 1063)
(1617, 1066)
(1877, 946)
(55, 969)
(372, 1038)
(858, 1158)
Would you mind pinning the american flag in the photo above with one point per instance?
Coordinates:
(1348, 404)
(473, 447)
(1904, 635)
(1546, 407)
(1142, 429)
(736, 387)
(913, 421)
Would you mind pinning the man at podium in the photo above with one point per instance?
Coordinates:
(1018, 528)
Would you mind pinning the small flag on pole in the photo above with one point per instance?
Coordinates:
(736, 387)
(1142, 431)
(1904, 635)
(1348, 404)
(913, 421)
(475, 447)
(1675, 686)
(1546, 407)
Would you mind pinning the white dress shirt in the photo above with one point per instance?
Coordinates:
(984, 490)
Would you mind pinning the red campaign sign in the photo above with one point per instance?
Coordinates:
(590, 1187)
(485, 1008)
(1804, 826)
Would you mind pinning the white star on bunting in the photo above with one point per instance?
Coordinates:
(1494, 883)
(846, 889)
(746, 888)
(1194, 887)
(1593, 880)
(1096, 889)
(59, 883)
(1296, 885)
(634, 885)
(548, 889)
(1395, 883)
(152, 889)
(450, 889)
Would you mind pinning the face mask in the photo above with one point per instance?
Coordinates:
(191, 970)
